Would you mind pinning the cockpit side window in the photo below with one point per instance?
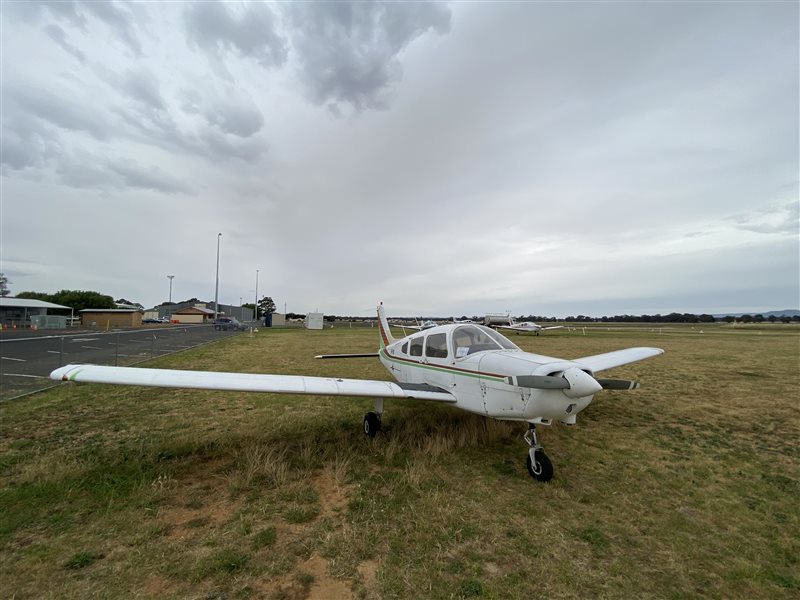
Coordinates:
(436, 345)
(416, 346)
(404, 349)
(500, 339)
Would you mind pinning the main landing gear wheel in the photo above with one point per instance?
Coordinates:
(539, 465)
(372, 424)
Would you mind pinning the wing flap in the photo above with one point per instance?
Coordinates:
(608, 360)
(244, 382)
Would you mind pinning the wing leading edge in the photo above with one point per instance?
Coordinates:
(608, 360)
(245, 382)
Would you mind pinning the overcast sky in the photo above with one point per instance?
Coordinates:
(446, 159)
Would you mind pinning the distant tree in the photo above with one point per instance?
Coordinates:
(4, 291)
(75, 299)
(34, 296)
(80, 299)
(266, 306)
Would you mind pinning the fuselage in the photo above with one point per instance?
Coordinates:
(475, 363)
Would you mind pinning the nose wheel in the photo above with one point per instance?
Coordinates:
(539, 465)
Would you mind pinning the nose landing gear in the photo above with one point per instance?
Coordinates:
(539, 465)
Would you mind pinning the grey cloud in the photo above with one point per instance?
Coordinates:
(32, 12)
(57, 109)
(88, 171)
(26, 141)
(236, 118)
(222, 146)
(118, 20)
(59, 36)
(211, 27)
(141, 85)
(153, 178)
(348, 52)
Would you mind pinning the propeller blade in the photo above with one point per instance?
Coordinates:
(539, 382)
(618, 384)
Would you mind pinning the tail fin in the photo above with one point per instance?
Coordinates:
(383, 324)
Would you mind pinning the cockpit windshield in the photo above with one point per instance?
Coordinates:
(470, 339)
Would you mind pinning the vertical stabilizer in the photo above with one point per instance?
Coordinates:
(383, 324)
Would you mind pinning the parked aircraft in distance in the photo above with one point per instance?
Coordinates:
(526, 327)
(421, 325)
(469, 366)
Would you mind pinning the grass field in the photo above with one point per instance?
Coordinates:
(688, 487)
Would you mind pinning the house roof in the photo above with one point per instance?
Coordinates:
(28, 303)
(193, 310)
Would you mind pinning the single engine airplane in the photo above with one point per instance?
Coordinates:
(469, 366)
(526, 327)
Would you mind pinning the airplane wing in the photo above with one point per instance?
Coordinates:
(600, 362)
(553, 327)
(249, 382)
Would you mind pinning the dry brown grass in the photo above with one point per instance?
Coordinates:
(685, 488)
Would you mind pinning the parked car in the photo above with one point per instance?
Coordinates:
(226, 323)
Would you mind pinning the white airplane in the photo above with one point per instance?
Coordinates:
(526, 327)
(471, 367)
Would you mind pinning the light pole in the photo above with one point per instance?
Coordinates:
(216, 289)
(170, 277)
(255, 306)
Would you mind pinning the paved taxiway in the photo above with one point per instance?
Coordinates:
(27, 358)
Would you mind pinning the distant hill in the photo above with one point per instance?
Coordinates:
(789, 312)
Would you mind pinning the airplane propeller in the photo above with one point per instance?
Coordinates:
(575, 383)
(618, 384)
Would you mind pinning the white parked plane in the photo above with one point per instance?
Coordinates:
(526, 327)
(469, 366)
(420, 326)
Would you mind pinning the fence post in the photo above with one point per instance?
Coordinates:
(116, 352)
(61, 353)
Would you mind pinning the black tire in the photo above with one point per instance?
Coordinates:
(372, 424)
(541, 469)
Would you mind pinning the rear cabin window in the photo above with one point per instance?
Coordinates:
(416, 347)
(404, 349)
(436, 345)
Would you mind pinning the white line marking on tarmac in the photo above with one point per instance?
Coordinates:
(92, 347)
(14, 359)
(21, 375)
(54, 352)
(84, 340)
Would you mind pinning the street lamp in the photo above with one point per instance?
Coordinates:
(255, 306)
(216, 289)
(170, 277)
